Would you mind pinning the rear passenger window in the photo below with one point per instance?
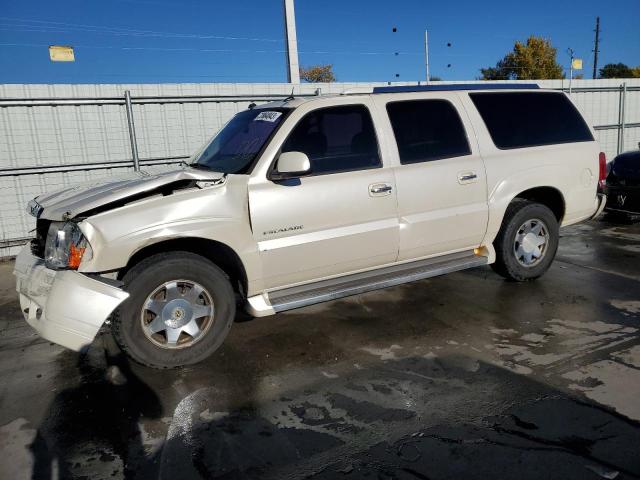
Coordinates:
(336, 139)
(427, 130)
(528, 119)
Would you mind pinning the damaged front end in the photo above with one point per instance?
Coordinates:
(61, 298)
(64, 306)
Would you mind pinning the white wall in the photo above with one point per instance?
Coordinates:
(68, 135)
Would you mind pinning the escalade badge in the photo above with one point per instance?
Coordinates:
(621, 200)
(282, 230)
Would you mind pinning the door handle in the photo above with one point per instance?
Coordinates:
(467, 177)
(380, 189)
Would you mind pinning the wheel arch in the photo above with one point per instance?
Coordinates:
(221, 254)
(548, 196)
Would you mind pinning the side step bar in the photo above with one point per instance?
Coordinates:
(325, 290)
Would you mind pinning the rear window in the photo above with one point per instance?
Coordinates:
(427, 130)
(528, 119)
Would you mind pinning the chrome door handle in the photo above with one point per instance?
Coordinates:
(467, 177)
(380, 189)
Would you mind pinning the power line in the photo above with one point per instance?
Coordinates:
(107, 29)
(215, 50)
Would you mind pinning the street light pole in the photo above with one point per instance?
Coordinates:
(293, 68)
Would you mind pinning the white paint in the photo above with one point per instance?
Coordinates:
(208, 416)
(632, 306)
(619, 387)
(383, 353)
(15, 439)
(630, 357)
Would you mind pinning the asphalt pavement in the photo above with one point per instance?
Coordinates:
(461, 376)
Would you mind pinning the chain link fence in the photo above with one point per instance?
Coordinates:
(58, 135)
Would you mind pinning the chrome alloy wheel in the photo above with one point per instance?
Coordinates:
(177, 314)
(531, 242)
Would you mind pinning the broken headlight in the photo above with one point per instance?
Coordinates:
(66, 246)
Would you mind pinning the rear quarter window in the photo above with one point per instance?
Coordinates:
(528, 119)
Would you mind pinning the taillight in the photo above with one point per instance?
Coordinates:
(602, 179)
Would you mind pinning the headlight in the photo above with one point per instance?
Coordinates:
(66, 247)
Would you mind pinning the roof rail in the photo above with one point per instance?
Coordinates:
(455, 86)
(357, 91)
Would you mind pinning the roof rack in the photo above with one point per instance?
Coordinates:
(455, 86)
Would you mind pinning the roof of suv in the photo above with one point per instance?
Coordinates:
(293, 101)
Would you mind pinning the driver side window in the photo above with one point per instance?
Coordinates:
(336, 139)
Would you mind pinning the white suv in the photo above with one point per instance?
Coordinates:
(306, 200)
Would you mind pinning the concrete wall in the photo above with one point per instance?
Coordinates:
(73, 138)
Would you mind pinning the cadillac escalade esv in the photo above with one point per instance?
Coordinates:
(306, 200)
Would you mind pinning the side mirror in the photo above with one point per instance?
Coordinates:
(291, 164)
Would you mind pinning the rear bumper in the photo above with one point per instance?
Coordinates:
(602, 201)
(64, 307)
(623, 199)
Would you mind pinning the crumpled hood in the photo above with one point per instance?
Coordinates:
(72, 201)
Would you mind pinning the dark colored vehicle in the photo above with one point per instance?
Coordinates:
(623, 184)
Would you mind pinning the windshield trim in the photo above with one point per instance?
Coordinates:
(248, 168)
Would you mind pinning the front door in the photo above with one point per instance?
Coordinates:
(341, 217)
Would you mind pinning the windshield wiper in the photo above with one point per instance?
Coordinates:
(199, 166)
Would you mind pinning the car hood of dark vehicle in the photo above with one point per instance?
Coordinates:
(81, 198)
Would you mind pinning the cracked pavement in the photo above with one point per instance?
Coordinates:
(460, 376)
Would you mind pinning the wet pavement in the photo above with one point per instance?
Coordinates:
(461, 376)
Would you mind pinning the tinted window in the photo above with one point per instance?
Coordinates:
(427, 130)
(527, 119)
(336, 139)
(236, 146)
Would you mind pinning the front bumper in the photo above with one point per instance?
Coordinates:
(65, 307)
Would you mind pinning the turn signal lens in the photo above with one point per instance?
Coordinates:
(602, 179)
(75, 256)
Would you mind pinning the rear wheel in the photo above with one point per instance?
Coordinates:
(527, 242)
(180, 309)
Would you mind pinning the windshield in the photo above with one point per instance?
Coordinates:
(237, 145)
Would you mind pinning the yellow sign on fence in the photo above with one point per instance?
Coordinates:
(577, 64)
(61, 53)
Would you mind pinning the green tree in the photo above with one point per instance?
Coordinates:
(533, 60)
(616, 70)
(318, 74)
(635, 72)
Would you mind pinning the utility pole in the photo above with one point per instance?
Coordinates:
(293, 68)
(595, 49)
(426, 53)
(570, 52)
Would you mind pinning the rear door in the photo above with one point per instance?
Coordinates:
(440, 176)
(339, 218)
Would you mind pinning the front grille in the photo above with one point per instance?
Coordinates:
(37, 244)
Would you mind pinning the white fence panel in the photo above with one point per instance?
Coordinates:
(64, 134)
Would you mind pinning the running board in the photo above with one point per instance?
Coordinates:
(303, 295)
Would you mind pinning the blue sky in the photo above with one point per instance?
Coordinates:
(149, 41)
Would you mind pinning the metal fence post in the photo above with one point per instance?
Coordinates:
(132, 131)
(621, 107)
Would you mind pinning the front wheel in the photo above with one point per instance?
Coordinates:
(180, 309)
(527, 242)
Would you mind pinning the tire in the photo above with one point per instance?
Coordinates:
(516, 260)
(177, 289)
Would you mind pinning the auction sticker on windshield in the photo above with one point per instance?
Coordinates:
(267, 116)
